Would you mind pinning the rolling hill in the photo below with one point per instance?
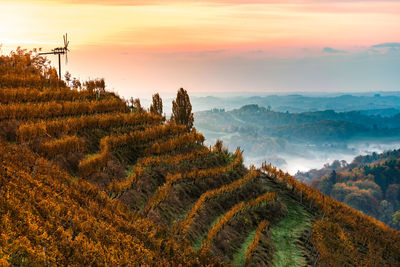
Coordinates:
(87, 179)
(369, 183)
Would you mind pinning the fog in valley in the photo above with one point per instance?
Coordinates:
(316, 158)
(299, 132)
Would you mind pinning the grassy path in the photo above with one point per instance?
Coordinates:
(239, 259)
(287, 231)
(197, 244)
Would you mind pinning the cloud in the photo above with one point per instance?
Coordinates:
(332, 50)
(387, 45)
(110, 2)
(246, 2)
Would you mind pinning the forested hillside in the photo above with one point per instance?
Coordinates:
(369, 183)
(296, 141)
(385, 104)
(88, 178)
(318, 126)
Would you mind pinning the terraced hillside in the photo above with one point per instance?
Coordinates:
(88, 180)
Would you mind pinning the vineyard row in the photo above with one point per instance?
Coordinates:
(56, 127)
(20, 95)
(238, 208)
(163, 191)
(54, 109)
(185, 224)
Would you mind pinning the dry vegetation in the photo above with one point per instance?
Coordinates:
(87, 179)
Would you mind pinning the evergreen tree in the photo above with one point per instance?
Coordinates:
(182, 110)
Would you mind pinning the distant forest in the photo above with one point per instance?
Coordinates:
(260, 131)
(369, 183)
(373, 103)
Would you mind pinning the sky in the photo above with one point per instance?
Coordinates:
(142, 47)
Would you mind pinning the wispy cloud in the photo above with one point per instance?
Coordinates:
(387, 45)
(244, 2)
(217, 44)
(332, 50)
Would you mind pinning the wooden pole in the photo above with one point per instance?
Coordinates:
(59, 66)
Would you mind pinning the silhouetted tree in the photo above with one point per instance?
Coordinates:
(156, 107)
(76, 84)
(182, 109)
(97, 85)
(135, 103)
(67, 77)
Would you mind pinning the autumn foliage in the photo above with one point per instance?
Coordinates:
(156, 106)
(241, 207)
(70, 125)
(251, 249)
(128, 169)
(185, 224)
(23, 95)
(62, 146)
(118, 187)
(162, 191)
(342, 228)
(53, 109)
(182, 109)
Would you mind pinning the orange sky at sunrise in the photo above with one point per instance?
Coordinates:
(145, 46)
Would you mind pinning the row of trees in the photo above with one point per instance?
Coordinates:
(26, 111)
(366, 234)
(94, 163)
(163, 191)
(238, 208)
(181, 108)
(212, 233)
(118, 187)
(73, 125)
(199, 174)
(372, 188)
(73, 220)
(22, 95)
(27, 69)
(205, 197)
(173, 159)
(133, 139)
(48, 219)
(174, 143)
(263, 226)
(63, 145)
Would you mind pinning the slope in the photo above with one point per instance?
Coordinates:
(369, 184)
(88, 180)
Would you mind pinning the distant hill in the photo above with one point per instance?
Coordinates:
(260, 131)
(256, 116)
(88, 179)
(384, 103)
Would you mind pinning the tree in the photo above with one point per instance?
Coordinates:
(396, 218)
(156, 107)
(67, 77)
(182, 110)
(97, 85)
(135, 104)
(76, 84)
(218, 146)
